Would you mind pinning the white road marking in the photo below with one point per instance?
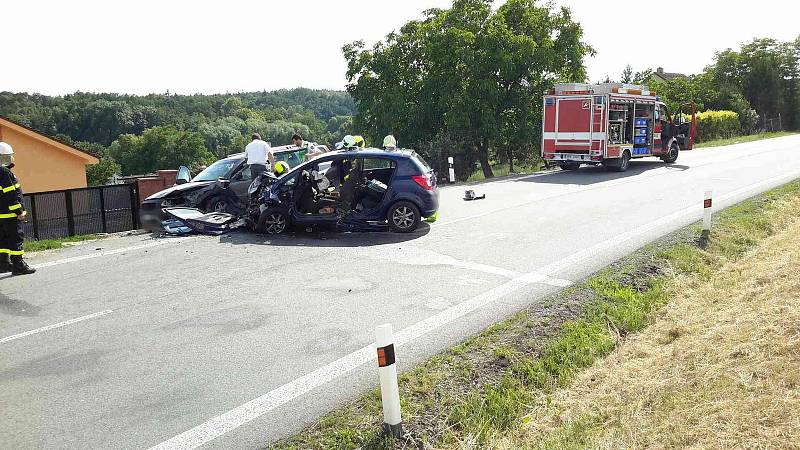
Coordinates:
(111, 252)
(557, 282)
(468, 280)
(415, 256)
(224, 423)
(55, 325)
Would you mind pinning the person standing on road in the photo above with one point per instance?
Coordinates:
(258, 153)
(12, 214)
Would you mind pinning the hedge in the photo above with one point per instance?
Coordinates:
(717, 125)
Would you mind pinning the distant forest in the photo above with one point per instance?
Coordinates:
(140, 134)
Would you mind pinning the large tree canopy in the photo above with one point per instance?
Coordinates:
(159, 148)
(466, 76)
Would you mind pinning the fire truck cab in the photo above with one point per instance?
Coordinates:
(610, 124)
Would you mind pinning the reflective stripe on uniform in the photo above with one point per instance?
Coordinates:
(10, 188)
(8, 216)
(14, 206)
(12, 252)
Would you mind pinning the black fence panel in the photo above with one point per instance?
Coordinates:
(101, 209)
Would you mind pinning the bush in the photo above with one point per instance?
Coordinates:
(717, 125)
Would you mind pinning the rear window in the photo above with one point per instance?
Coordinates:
(421, 162)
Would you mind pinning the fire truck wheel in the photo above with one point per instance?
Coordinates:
(672, 155)
(569, 166)
(620, 165)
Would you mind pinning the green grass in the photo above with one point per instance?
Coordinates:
(502, 170)
(50, 244)
(741, 139)
(482, 388)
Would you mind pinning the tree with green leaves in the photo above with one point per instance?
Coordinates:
(468, 76)
(159, 148)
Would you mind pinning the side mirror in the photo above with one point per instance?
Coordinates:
(224, 182)
(183, 176)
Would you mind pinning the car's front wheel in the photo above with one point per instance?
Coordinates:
(272, 221)
(403, 217)
(219, 204)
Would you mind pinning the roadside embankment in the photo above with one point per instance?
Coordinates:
(719, 368)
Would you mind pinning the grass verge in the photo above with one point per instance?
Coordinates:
(50, 244)
(719, 368)
(742, 139)
(482, 391)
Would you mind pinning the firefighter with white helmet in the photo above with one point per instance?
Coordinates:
(389, 143)
(348, 142)
(12, 213)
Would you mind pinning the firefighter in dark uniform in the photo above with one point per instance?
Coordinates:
(12, 213)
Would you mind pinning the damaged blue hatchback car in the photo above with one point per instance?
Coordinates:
(347, 190)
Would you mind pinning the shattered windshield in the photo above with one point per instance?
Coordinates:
(219, 169)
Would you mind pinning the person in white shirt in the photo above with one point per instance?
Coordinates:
(258, 153)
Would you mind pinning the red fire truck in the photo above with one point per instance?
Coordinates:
(610, 124)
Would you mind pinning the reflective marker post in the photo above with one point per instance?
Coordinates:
(707, 203)
(451, 170)
(390, 392)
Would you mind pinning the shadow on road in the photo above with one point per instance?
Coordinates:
(317, 238)
(598, 174)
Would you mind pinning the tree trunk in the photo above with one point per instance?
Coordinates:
(510, 159)
(483, 157)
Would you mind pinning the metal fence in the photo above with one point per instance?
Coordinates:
(100, 209)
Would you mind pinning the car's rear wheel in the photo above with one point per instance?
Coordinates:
(272, 221)
(403, 217)
(619, 165)
(219, 204)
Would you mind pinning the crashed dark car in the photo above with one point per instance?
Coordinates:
(221, 187)
(348, 190)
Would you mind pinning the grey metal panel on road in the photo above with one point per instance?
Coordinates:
(202, 325)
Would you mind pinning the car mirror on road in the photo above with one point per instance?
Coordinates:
(224, 182)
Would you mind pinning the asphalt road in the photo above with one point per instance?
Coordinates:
(235, 341)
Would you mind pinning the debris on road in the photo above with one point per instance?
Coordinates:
(469, 195)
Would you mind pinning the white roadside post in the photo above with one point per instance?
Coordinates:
(390, 392)
(707, 203)
(451, 170)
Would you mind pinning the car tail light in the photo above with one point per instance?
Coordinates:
(423, 181)
(549, 156)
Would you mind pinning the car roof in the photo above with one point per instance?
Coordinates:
(372, 151)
